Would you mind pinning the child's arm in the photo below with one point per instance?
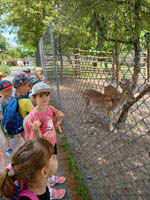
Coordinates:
(36, 127)
(1, 110)
(1, 115)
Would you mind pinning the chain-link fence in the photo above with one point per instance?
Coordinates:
(104, 94)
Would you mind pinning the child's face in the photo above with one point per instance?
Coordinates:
(24, 88)
(7, 93)
(42, 99)
(40, 76)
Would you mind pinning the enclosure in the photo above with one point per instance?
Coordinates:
(114, 162)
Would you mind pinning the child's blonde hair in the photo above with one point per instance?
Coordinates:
(27, 160)
(38, 72)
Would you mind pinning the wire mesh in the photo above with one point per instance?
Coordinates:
(104, 85)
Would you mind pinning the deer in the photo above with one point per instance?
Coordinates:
(111, 101)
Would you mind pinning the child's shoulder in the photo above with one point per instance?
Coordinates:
(51, 108)
(3, 100)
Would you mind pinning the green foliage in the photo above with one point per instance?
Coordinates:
(5, 70)
(30, 17)
(3, 43)
(21, 52)
(84, 24)
(87, 24)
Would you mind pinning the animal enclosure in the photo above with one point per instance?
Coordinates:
(112, 148)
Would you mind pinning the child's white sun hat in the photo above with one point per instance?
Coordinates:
(40, 87)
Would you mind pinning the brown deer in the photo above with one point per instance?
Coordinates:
(111, 102)
(111, 91)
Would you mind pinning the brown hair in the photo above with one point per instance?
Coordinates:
(29, 158)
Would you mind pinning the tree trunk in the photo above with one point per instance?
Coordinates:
(126, 107)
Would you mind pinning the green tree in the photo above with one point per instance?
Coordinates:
(3, 42)
(30, 17)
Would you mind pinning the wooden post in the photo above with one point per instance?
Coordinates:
(148, 64)
(117, 63)
(113, 66)
(77, 62)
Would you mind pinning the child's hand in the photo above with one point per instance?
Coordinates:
(58, 119)
(36, 124)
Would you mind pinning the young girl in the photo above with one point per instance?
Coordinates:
(42, 121)
(32, 163)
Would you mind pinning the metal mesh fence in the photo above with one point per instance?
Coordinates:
(104, 93)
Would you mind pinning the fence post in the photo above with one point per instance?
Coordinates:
(113, 66)
(148, 64)
(41, 51)
(117, 63)
(55, 65)
(37, 56)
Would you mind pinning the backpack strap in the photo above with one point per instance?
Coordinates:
(29, 194)
(22, 96)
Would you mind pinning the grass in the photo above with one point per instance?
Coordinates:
(80, 186)
(100, 72)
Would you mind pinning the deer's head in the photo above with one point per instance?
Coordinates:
(126, 86)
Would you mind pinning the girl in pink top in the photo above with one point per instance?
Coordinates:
(41, 122)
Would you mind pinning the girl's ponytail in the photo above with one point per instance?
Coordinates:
(27, 160)
(7, 186)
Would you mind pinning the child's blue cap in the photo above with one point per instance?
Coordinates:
(27, 70)
(5, 85)
(19, 80)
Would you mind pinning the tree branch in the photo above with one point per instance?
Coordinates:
(128, 105)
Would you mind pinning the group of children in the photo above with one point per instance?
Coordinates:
(33, 163)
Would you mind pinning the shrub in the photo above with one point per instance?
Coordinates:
(5, 69)
(12, 62)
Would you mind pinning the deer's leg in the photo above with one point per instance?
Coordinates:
(87, 110)
(110, 120)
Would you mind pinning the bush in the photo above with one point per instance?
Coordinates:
(5, 70)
